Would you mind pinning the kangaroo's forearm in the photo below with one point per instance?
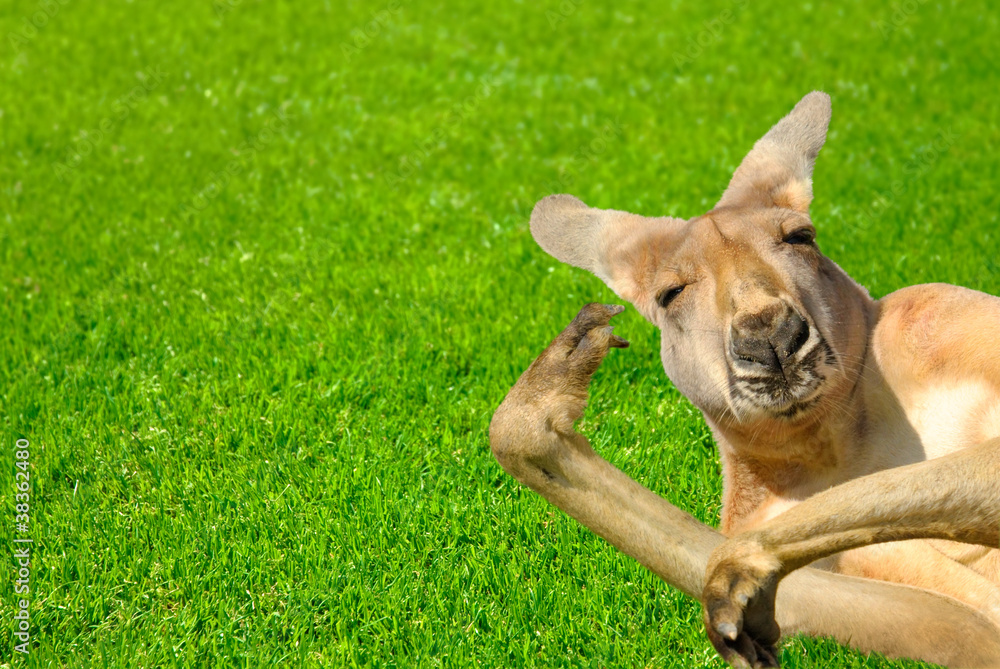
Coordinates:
(955, 497)
(666, 540)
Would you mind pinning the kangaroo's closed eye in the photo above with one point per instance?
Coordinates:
(669, 295)
(803, 236)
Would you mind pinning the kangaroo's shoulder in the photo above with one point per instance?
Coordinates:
(938, 328)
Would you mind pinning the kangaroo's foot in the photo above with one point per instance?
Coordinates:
(739, 599)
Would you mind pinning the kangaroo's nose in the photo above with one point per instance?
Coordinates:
(768, 337)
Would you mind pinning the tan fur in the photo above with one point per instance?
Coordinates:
(843, 423)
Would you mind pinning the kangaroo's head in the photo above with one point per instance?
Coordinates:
(757, 324)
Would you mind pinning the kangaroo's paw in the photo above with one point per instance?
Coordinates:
(742, 579)
(536, 418)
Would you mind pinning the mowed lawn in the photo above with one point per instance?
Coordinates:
(265, 273)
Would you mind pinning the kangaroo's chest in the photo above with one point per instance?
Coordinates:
(927, 422)
(902, 427)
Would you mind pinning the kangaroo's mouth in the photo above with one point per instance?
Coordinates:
(785, 392)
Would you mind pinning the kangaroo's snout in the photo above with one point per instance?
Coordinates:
(768, 338)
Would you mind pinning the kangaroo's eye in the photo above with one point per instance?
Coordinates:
(669, 295)
(803, 236)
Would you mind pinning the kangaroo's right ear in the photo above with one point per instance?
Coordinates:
(611, 244)
(778, 171)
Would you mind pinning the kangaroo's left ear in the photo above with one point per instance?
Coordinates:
(621, 249)
(778, 170)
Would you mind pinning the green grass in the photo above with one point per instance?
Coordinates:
(257, 401)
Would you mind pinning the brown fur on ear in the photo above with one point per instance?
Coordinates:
(604, 242)
(794, 194)
(569, 230)
(778, 170)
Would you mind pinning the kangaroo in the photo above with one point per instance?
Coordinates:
(859, 436)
